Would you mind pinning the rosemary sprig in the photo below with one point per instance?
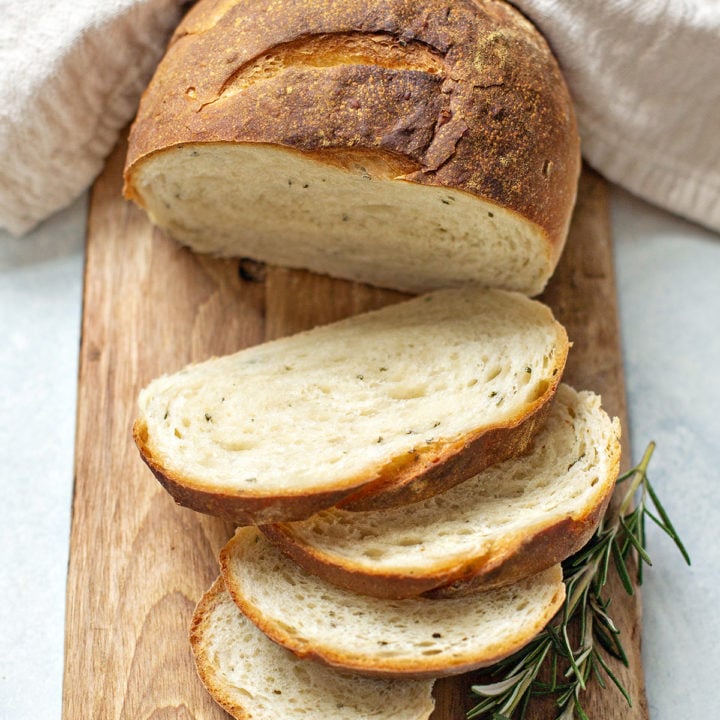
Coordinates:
(570, 668)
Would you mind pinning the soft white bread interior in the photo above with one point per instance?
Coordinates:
(514, 519)
(361, 221)
(253, 678)
(413, 637)
(380, 409)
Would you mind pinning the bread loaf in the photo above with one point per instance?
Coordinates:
(512, 520)
(378, 410)
(412, 144)
(414, 637)
(253, 678)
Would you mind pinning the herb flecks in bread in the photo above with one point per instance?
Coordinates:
(412, 145)
(252, 677)
(514, 519)
(414, 637)
(379, 410)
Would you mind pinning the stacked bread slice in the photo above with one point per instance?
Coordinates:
(407, 482)
(515, 518)
(252, 677)
(381, 409)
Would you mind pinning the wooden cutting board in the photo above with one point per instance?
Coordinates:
(138, 563)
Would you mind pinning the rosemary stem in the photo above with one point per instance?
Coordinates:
(639, 475)
(597, 637)
(588, 575)
(529, 678)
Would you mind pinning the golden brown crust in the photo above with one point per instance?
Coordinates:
(466, 91)
(538, 552)
(239, 509)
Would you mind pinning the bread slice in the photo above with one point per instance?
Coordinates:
(413, 637)
(413, 145)
(253, 678)
(378, 410)
(514, 519)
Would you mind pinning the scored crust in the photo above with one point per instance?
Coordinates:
(460, 94)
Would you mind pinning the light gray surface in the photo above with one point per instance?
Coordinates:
(40, 304)
(669, 284)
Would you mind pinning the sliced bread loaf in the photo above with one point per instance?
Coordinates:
(514, 519)
(414, 145)
(378, 410)
(414, 637)
(253, 678)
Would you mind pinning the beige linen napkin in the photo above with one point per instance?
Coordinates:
(645, 79)
(71, 74)
(644, 74)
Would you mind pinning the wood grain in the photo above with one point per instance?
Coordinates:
(138, 563)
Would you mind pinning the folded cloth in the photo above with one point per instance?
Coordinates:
(73, 73)
(645, 79)
(643, 74)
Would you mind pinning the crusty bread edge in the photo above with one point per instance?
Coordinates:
(540, 550)
(411, 478)
(240, 509)
(547, 545)
(537, 552)
(205, 668)
(425, 668)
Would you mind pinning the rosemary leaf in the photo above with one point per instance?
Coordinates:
(622, 569)
(643, 540)
(614, 678)
(578, 709)
(596, 667)
(620, 537)
(668, 526)
(599, 609)
(604, 564)
(612, 645)
(634, 540)
(573, 669)
(497, 688)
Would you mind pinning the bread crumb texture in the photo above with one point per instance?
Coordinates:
(331, 408)
(252, 677)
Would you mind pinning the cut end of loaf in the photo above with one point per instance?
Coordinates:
(344, 214)
(407, 145)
